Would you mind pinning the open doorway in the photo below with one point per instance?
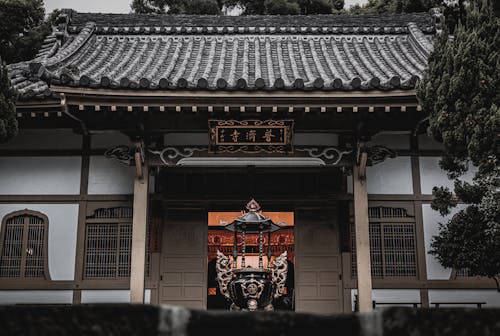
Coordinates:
(220, 239)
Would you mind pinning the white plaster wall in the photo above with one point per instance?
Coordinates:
(47, 175)
(391, 140)
(63, 222)
(431, 220)
(108, 176)
(392, 176)
(31, 139)
(490, 296)
(111, 296)
(391, 296)
(432, 175)
(106, 140)
(36, 297)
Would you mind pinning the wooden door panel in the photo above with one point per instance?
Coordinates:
(318, 262)
(183, 259)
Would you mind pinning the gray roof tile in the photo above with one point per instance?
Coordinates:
(323, 52)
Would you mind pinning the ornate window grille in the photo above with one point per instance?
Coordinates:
(392, 243)
(23, 246)
(108, 244)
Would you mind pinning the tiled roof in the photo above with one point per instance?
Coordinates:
(323, 52)
(254, 23)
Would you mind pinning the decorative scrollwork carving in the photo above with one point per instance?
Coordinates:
(279, 273)
(170, 155)
(224, 273)
(247, 150)
(329, 155)
(123, 154)
(378, 154)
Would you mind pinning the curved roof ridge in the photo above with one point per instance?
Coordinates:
(419, 40)
(72, 47)
(277, 24)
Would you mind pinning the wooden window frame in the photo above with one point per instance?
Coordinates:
(407, 217)
(22, 272)
(119, 221)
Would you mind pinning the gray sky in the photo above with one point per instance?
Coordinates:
(111, 6)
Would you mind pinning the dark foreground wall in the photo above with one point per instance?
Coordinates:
(175, 321)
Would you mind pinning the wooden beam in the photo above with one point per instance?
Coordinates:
(362, 230)
(302, 95)
(139, 221)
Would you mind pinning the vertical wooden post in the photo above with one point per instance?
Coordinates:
(139, 222)
(361, 226)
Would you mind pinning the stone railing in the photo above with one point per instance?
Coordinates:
(175, 321)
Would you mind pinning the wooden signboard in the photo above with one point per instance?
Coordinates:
(250, 136)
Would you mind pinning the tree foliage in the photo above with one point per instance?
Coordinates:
(248, 7)
(177, 6)
(22, 29)
(454, 11)
(282, 7)
(396, 6)
(461, 96)
(8, 121)
(286, 7)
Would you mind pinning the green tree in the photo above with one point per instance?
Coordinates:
(461, 96)
(397, 6)
(286, 7)
(22, 29)
(282, 7)
(453, 11)
(8, 121)
(177, 6)
(315, 7)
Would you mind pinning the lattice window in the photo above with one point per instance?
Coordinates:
(387, 212)
(24, 246)
(392, 250)
(108, 244)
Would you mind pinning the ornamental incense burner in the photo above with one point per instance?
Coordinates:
(251, 288)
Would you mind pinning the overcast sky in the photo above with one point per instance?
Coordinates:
(111, 6)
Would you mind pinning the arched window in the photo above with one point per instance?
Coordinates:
(23, 245)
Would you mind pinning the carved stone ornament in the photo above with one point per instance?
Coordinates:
(171, 155)
(330, 155)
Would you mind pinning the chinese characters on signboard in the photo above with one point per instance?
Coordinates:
(251, 136)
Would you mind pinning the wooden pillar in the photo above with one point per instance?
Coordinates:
(361, 226)
(139, 222)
